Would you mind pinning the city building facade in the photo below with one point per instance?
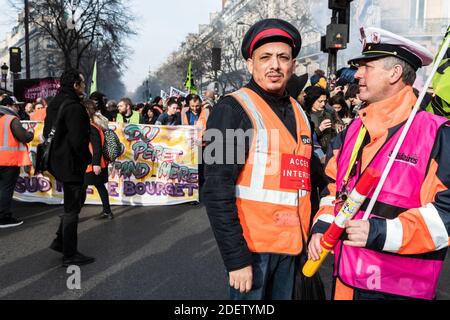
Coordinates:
(46, 59)
(424, 21)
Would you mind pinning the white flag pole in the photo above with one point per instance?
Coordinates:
(405, 130)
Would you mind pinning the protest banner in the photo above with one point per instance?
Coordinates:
(28, 90)
(158, 166)
(164, 95)
(174, 92)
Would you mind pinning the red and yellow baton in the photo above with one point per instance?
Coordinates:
(351, 206)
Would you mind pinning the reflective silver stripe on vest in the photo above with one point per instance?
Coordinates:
(305, 117)
(256, 191)
(5, 130)
(269, 196)
(5, 146)
(262, 143)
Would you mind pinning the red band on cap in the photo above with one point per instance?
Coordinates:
(269, 33)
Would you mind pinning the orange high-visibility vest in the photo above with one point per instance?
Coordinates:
(185, 119)
(103, 162)
(13, 153)
(201, 125)
(39, 115)
(270, 215)
(202, 119)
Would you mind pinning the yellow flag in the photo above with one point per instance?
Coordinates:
(189, 83)
(440, 104)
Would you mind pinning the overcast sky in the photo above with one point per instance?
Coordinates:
(161, 26)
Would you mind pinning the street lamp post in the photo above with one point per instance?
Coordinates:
(27, 40)
(4, 69)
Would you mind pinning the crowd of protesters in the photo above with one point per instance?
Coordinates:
(329, 106)
(78, 138)
(172, 111)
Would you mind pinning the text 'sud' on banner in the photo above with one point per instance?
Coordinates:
(158, 166)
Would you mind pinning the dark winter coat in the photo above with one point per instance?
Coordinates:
(69, 156)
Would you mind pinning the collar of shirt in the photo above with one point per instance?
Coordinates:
(274, 100)
(380, 116)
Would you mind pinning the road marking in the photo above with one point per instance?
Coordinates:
(167, 238)
(24, 283)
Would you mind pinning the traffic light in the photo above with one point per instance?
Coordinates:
(15, 59)
(337, 36)
(216, 61)
(323, 44)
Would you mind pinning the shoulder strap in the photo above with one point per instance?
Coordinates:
(58, 117)
(356, 153)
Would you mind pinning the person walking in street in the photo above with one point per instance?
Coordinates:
(13, 155)
(258, 215)
(398, 253)
(97, 172)
(69, 158)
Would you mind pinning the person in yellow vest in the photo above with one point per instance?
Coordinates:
(97, 172)
(13, 155)
(127, 114)
(258, 196)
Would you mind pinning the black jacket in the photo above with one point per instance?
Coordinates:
(166, 120)
(69, 156)
(218, 192)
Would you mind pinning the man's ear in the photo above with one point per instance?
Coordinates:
(294, 65)
(396, 74)
(250, 65)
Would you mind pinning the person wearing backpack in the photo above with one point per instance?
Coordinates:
(97, 172)
(69, 158)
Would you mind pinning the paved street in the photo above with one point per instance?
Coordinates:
(145, 253)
